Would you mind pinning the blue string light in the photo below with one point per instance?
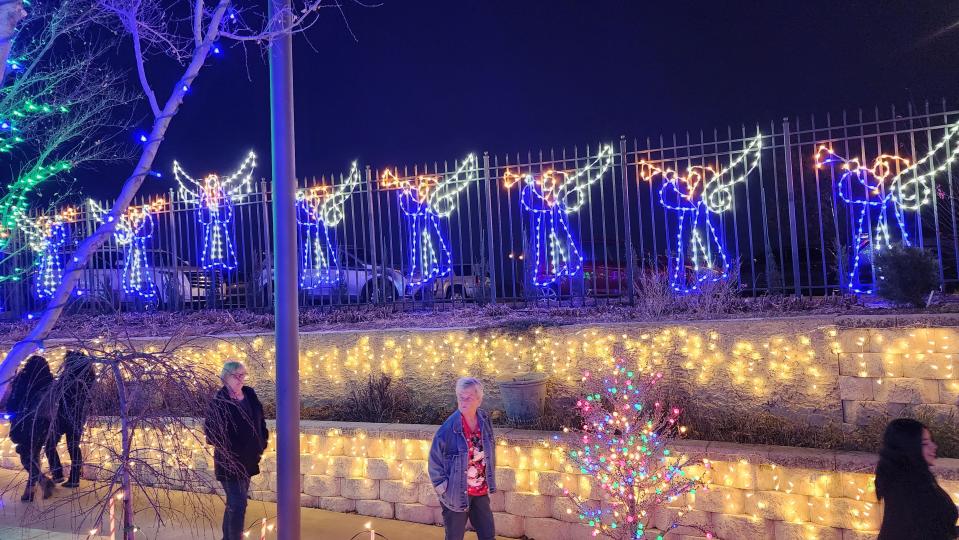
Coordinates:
(214, 197)
(424, 200)
(46, 236)
(694, 202)
(549, 200)
(892, 186)
(133, 231)
(319, 211)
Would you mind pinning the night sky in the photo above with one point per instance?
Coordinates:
(434, 80)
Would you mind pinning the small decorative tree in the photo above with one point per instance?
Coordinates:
(624, 446)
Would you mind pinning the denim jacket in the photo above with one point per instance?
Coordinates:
(448, 460)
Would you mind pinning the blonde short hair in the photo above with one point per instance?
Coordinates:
(229, 368)
(465, 383)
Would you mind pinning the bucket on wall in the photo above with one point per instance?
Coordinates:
(524, 396)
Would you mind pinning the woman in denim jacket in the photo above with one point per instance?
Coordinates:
(462, 464)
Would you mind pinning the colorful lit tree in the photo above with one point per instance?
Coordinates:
(880, 197)
(695, 201)
(549, 199)
(318, 211)
(623, 445)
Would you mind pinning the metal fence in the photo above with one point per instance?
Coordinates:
(785, 225)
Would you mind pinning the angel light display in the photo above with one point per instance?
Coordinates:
(46, 236)
(694, 201)
(424, 199)
(318, 211)
(880, 196)
(550, 198)
(133, 230)
(214, 197)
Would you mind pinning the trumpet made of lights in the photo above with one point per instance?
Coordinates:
(46, 236)
(318, 211)
(424, 200)
(549, 199)
(623, 446)
(694, 201)
(133, 231)
(879, 198)
(214, 196)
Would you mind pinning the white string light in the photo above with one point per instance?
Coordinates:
(320, 209)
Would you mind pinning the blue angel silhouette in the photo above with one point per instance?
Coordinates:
(424, 200)
(550, 199)
(319, 210)
(214, 197)
(694, 202)
(46, 236)
(134, 229)
(880, 197)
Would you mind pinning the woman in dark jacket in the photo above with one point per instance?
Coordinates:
(72, 391)
(236, 428)
(31, 411)
(915, 507)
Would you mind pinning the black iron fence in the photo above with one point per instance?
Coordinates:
(797, 206)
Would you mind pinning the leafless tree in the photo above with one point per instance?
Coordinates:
(145, 452)
(186, 32)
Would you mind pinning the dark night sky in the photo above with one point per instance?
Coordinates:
(434, 80)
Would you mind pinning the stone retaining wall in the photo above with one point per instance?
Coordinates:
(813, 370)
(755, 492)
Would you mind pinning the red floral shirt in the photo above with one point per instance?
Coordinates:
(476, 467)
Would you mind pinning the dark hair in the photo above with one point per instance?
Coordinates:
(36, 371)
(901, 463)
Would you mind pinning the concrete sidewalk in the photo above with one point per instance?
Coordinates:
(193, 517)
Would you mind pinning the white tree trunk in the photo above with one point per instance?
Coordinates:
(51, 314)
(11, 13)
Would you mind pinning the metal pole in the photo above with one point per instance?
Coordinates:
(791, 202)
(491, 266)
(285, 272)
(627, 221)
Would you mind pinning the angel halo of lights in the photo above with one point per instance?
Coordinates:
(424, 199)
(319, 210)
(693, 201)
(893, 185)
(214, 196)
(549, 199)
(46, 236)
(133, 232)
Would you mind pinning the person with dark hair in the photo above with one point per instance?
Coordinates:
(30, 408)
(235, 427)
(72, 392)
(915, 507)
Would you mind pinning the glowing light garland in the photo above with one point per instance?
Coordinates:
(134, 229)
(424, 200)
(695, 201)
(549, 199)
(622, 445)
(46, 235)
(881, 190)
(318, 211)
(214, 197)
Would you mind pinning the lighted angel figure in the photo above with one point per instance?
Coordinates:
(880, 197)
(318, 211)
(550, 198)
(214, 197)
(694, 200)
(424, 199)
(46, 236)
(133, 230)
